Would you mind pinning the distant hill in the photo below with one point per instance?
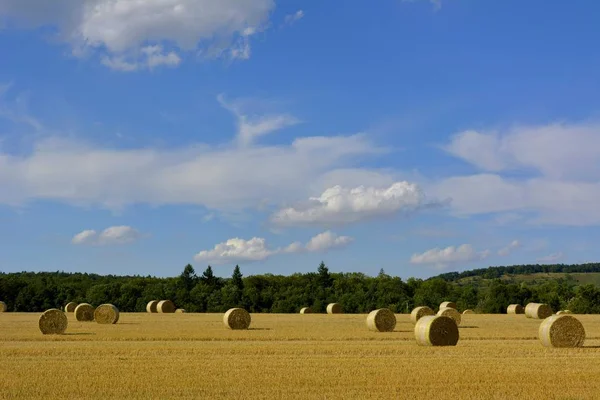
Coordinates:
(582, 273)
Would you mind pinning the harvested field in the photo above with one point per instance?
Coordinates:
(300, 356)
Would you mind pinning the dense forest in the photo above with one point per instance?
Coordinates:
(358, 293)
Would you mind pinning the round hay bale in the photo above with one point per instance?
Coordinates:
(420, 312)
(53, 322)
(468, 312)
(561, 331)
(106, 314)
(381, 320)
(448, 304)
(70, 307)
(306, 310)
(564, 312)
(151, 306)
(452, 313)
(180, 310)
(334, 308)
(3, 306)
(515, 309)
(84, 312)
(237, 318)
(538, 311)
(436, 330)
(165, 307)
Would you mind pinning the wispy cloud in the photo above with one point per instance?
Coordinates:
(114, 235)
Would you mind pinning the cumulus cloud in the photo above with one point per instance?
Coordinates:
(551, 258)
(506, 250)
(114, 235)
(239, 250)
(121, 30)
(441, 258)
(338, 205)
(554, 173)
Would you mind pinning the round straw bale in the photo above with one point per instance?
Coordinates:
(420, 312)
(561, 331)
(3, 306)
(70, 307)
(564, 312)
(180, 310)
(53, 322)
(538, 311)
(452, 313)
(436, 330)
(306, 310)
(334, 308)
(468, 312)
(237, 318)
(165, 306)
(84, 312)
(106, 314)
(151, 306)
(515, 309)
(448, 304)
(381, 320)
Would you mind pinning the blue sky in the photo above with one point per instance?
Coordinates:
(416, 136)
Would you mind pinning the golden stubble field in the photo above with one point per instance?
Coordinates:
(282, 356)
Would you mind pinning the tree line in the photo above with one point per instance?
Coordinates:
(268, 293)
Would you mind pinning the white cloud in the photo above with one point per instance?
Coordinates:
(152, 57)
(239, 250)
(509, 248)
(121, 29)
(440, 258)
(555, 173)
(252, 127)
(114, 235)
(551, 258)
(291, 18)
(338, 205)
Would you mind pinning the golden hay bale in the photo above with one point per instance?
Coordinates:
(420, 312)
(3, 306)
(564, 312)
(561, 331)
(53, 322)
(334, 308)
(237, 318)
(151, 306)
(436, 330)
(450, 312)
(165, 307)
(448, 304)
(306, 310)
(84, 312)
(538, 311)
(70, 307)
(515, 309)
(381, 320)
(180, 310)
(106, 314)
(468, 312)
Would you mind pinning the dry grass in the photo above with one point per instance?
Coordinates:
(382, 320)
(562, 331)
(289, 356)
